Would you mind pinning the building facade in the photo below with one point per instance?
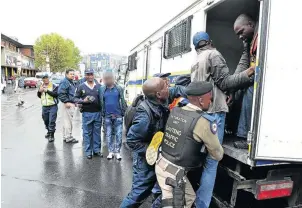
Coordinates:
(101, 62)
(14, 54)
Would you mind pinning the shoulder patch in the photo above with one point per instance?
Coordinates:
(213, 127)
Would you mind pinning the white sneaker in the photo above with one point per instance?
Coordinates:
(110, 156)
(118, 156)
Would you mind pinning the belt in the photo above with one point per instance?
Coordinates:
(166, 165)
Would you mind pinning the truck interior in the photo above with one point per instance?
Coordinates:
(220, 21)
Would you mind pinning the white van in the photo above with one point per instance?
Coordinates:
(271, 168)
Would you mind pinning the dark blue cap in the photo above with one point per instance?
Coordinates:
(89, 71)
(198, 88)
(162, 75)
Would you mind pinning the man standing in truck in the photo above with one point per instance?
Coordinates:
(246, 29)
(210, 66)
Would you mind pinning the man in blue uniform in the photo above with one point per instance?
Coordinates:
(66, 96)
(87, 95)
(48, 95)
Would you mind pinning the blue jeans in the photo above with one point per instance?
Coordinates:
(244, 124)
(143, 181)
(91, 132)
(49, 115)
(207, 181)
(116, 125)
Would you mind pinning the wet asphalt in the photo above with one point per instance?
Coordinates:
(35, 173)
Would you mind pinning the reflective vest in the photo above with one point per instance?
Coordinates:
(46, 99)
(178, 145)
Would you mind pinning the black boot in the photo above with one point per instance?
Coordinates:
(51, 137)
(47, 135)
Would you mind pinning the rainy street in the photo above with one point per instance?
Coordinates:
(36, 173)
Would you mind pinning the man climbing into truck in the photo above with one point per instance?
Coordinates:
(246, 29)
(210, 66)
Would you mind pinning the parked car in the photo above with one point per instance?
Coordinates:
(31, 82)
(57, 79)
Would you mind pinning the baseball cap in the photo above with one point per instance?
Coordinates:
(162, 75)
(45, 76)
(199, 36)
(89, 71)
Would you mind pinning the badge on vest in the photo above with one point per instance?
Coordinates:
(213, 127)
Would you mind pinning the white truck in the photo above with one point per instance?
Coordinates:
(269, 173)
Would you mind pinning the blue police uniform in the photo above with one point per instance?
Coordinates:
(91, 116)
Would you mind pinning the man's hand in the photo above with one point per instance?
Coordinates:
(251, 71)
(86, 100)
(230, 100)
(41, 89)
(68, 105)
(45, 89)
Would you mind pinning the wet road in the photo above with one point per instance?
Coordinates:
(35, 173)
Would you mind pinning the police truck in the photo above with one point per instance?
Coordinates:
(268, 173)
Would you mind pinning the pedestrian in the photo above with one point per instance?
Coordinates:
(164, 76)
(210, 66)
(139, 136)
(19, 89)
(87, 95)
(247, 30)
(189, 131)
(113, 106)
(48, 93)
(66, 94)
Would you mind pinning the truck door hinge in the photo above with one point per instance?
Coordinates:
(210, 2)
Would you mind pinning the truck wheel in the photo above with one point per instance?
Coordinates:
(296, 198)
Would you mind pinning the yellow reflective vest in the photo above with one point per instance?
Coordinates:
(46, 99)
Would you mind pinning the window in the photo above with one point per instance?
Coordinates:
(132, 62)
(178, 39)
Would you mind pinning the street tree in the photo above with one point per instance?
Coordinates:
(62, 52)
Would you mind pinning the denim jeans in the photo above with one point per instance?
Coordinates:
(207, 181)
(91, 132)
(114, 126)
(143, 181)
(246, 113)
(49, 115)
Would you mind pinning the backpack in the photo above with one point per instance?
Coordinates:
(131, 110)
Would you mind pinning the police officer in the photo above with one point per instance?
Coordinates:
(188, 132)
(48, 95)
(87, 94)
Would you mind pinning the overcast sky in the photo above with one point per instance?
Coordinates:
(113, 26)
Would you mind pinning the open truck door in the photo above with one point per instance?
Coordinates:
(276, 127)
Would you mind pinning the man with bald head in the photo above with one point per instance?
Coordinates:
(140, 135)
(247, 30)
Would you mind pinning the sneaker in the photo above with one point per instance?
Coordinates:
(118, 156)
(110, 156)
(72, 140)
(98, 154)
(47, 135)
